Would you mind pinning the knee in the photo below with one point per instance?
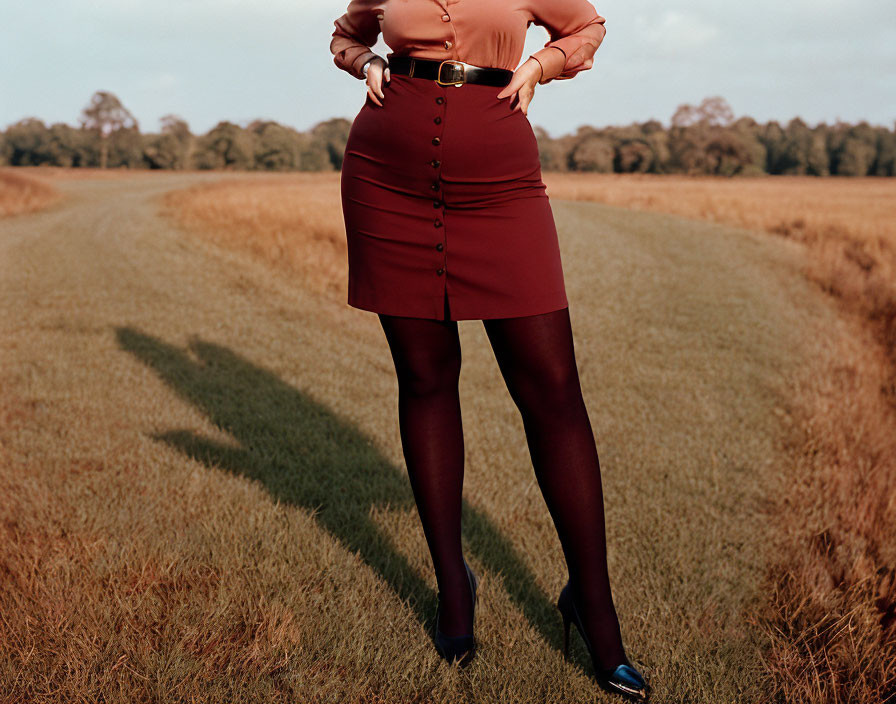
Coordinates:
(553, 392)
(429, 377)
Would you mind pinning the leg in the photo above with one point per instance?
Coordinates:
(427, 361)
(536, 358)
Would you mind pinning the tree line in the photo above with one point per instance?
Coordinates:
(701, 139)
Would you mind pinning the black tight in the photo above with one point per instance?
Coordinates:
(536, 358)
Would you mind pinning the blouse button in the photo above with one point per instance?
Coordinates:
(440, 271)
(437, 120)
(440, 246)
(445, 18)
(435, 163)
(448, 44)
(437, 223)
(436, 141)
(440, 100)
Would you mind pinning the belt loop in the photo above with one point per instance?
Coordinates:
(411, 73)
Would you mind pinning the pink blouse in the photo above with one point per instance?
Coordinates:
(478, 32)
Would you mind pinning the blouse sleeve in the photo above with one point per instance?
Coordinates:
(356, 31)
(576, 31)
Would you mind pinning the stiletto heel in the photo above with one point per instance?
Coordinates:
(459, 648)
(566, 624)
(624, 679)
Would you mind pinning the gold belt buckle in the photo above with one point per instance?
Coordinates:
(455, 66)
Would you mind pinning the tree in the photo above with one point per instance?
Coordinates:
(333, 134)
(699, 142)
(727, 153)
(226, 146)
(634, 156)
(712, 112)
(855, 157)
(177, 128)
(24, 142)
(886, 153)
(105, 115)
(171, 148)
(594, 153)
(550, 153)
(66, 146)
(277, 148)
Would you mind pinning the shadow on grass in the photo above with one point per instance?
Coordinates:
(307, 456)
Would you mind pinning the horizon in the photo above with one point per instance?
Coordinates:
(666, 124)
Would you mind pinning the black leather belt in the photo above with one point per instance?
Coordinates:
(449, 72)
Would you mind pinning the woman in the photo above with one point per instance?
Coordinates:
(447, 218)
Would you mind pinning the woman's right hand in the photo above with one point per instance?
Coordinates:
(377, 72)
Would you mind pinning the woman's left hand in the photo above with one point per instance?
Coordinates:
(522, 85)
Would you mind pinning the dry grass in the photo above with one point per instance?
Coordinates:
(832, 591)
(202, 495)
(172, 588)
(847, 224)
(88, 173)
(863, 207)
(832, 611)
(22, 194)
(292, 221)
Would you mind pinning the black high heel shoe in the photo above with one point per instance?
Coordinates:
(460, 648)
(624, 679)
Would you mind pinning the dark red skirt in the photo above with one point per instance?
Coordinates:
(446, 214)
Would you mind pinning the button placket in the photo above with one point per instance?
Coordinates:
(436, 185)
(451, 40)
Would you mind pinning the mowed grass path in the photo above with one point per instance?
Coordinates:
(204, 499)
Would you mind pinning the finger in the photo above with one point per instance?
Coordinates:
(373, 96)
(509, 89)
(513, 95)
(387, 74)
(379, 88)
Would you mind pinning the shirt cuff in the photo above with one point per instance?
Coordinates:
(552, 60)
(359, 62)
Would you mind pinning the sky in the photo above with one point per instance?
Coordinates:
(213, 60)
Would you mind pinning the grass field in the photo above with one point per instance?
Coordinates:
(22, 194)
(205, 498)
